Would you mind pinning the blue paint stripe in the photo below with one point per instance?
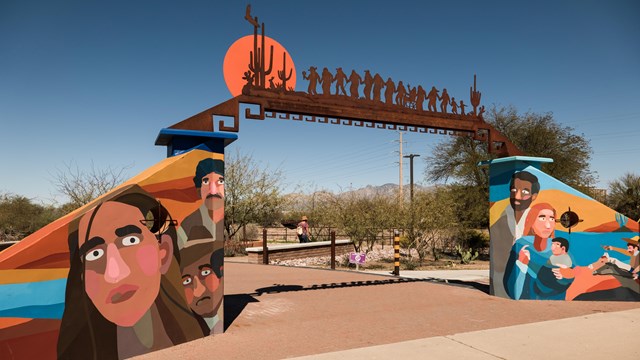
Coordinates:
(53, 311)
(41, 299)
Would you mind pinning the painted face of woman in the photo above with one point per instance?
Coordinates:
(545, 223)
(123, 262)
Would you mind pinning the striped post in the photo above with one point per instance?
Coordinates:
(396, 253)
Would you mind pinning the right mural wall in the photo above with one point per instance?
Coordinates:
(552, 242)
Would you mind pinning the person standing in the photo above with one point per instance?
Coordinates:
(303, 230)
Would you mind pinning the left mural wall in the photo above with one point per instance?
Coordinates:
(136, 270)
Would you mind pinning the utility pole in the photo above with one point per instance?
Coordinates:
(411, 232)
(400, 182)
(411, 156)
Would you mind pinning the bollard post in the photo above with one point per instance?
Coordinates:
(265, 249)
(333, 250)
(396, 253)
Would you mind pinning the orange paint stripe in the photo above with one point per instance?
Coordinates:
(31, 275)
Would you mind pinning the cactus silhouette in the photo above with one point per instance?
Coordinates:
(475, 96)
(281, 73)
(257, 56)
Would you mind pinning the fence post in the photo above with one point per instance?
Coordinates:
(396, 253)
(333, 250)
(265, 249)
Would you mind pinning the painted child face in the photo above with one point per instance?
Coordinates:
(122, 262)
(557, 249)
(212, 191)
(545, 223)
(201, 285)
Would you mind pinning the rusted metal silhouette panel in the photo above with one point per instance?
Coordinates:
(370, 101)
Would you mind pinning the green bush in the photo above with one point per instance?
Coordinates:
(473, 239)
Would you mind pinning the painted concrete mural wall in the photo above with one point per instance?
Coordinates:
(137, 270)
(551, 242)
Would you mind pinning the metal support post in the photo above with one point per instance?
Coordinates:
(265, 249)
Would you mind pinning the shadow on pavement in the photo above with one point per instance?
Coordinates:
(278, 288)
(233, 306)
(476, 285)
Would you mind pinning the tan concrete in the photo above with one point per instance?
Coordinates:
(275, 312)
(604, 335)
(434, 348)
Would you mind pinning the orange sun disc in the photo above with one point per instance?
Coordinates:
(236, 62)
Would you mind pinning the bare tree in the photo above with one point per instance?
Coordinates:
(434, 220)
(252, 194)
(82, 186)
(365, 217)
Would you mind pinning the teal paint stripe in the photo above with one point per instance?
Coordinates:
(53, 311)
(36, 296)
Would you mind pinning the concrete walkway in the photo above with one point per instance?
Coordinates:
(604, 335)
(277, 312)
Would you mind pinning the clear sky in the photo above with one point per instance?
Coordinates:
(95, 81)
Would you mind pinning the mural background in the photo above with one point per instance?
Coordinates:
(598, 226)
(33, 273)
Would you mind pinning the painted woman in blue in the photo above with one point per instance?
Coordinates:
(529, 272)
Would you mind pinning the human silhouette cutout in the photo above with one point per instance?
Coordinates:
(378, 83)
(313, 80)
(454, 106)
(389, 89)
(433, 97)
(420, 97)
(326, 80)
(368, 84)
(355, 81)
(401, 92)
(445, 101)
(411, 97)
(340, 79)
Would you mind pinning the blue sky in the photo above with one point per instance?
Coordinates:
(94, 81)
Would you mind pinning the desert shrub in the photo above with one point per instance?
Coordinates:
(473, 239)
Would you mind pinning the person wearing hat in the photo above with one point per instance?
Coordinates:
(209, 183)
(632, 251)
(303, 230)
(201, 265)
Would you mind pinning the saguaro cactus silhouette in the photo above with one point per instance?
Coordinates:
(257, 56)
(281, 73)
(475, 96)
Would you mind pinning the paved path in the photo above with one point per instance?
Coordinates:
(275, 312)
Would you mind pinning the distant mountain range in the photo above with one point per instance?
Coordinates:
(387, 189)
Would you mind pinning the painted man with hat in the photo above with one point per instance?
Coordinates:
(201, 265)
(632, 251)
(201, 246)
